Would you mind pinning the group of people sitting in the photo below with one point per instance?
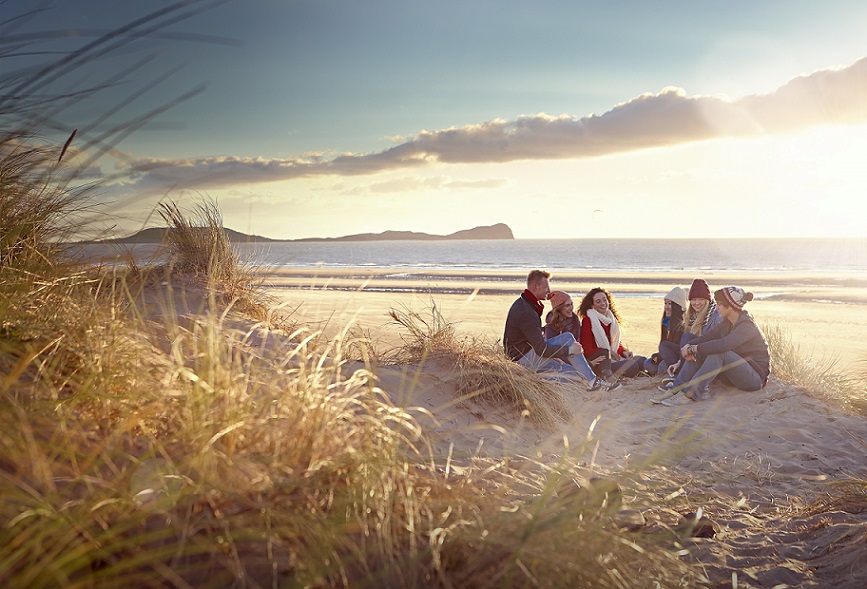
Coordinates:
(703, 337)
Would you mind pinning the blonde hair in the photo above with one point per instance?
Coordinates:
(694, 320)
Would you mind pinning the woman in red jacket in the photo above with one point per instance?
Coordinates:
(600, 333)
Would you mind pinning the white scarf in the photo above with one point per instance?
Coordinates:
(597, 319)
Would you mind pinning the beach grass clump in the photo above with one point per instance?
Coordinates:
(484, 371)
(31, 208)
(55, 316)
(425, 335)
(481, 369)
(822, 376)
(180, 487)
(199, 247)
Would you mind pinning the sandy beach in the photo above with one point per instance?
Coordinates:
(814, 308)
(754, 463)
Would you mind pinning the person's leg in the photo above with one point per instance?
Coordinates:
(578, 362)
(658, 369)
(713, 365)
(684, 339)
(670, 353)
(740, 374)
(603, 368)
(535, 362)
(628, 367)
(685, 374)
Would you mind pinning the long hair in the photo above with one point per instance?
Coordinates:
(558, 320)
(587, 303)
(694, 321)
(675, 324)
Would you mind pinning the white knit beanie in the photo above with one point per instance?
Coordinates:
(678, 295)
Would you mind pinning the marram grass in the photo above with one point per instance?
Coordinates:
(481, 368)
(197, 454)
(820, 376)
(270, 466)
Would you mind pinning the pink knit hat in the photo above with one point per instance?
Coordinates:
(733, 296)
(558, 297)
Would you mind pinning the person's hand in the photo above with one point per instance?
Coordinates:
(627, 353)
(672, 370)
(597, 361)
(689, 352)
(576, 349)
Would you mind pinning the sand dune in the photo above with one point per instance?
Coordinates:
(749, 461)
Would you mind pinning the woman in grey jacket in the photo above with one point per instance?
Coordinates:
(734, 350)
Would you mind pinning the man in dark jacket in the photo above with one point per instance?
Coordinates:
(524, 342)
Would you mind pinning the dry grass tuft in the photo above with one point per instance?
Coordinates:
(199, 247)
(849, 496)
(820, 377)
(483, 371)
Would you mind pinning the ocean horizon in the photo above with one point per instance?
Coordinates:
(748, 255)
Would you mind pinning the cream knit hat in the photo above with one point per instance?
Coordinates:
(678, 295)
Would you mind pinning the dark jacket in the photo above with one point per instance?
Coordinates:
(744, 338)
(524, 332)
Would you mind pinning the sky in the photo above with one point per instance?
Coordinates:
(566, 119)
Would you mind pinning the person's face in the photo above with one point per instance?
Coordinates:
(667, 308)
(600, 302)
(567, 308)
(699, 304)
(730, 314)
(540, 289)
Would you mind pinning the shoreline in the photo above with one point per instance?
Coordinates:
(819, 287)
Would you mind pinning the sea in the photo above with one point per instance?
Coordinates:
(846, 256)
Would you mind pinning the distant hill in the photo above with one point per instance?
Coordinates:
(498, 231)
(158, 235)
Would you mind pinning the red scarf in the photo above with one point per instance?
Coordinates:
(537, 304)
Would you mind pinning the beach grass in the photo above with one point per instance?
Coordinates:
(822, 376)
(200, 455)
(481, 368)
(217, 462)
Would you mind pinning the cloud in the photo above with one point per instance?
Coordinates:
(670, 117)
(419, 183)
